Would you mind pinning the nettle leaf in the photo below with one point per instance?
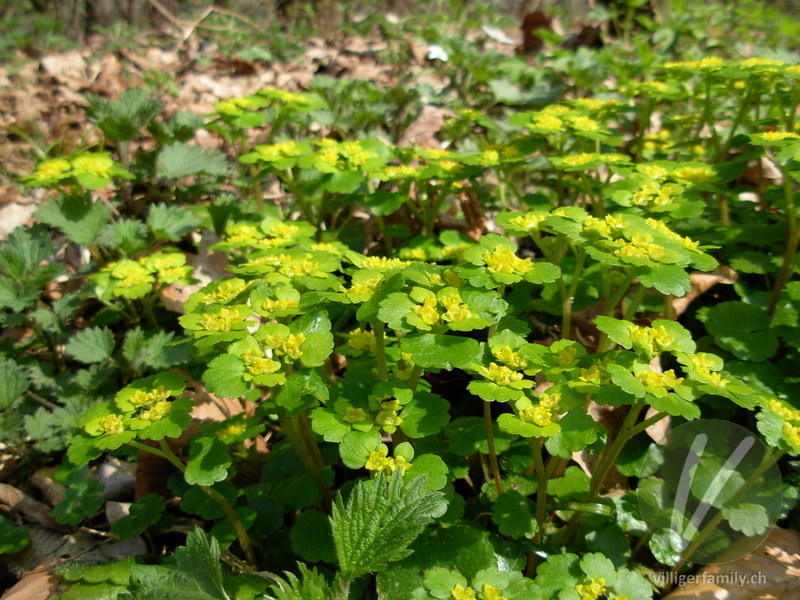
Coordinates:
(514, 515)
(13, 382)
(209, 461)
(129, 236)
(379, 521)
(578, 430)
(78, 217)
(742, 329)
(748, 518)
(312, 537)
(143, 514)
(441, 351)
(184, 160)
(91, 345)
(171, 222)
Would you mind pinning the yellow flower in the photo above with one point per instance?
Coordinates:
(366, 288)
(456, 310)
(547, 121)
(694, 174)
(258, 364)
(506, 355)
(503, 260)
(244, 234)
(462, 593)
(585, 124)
(787, 414)
(54, 168)
(96, 164)
(111, 424)
(130, 274)
(550, 401)
(792, 432)
(157, 412)
(224, 320)
(537, 414)
(528, 221)
(379, 263)
(593, 590)
(490, 592)
(659, 381)
(576, 160)
(500, 374)
(377, 460)
(566, 357)
(269, 305)
(289, 346)
(232, 429)
(656, 172)
(295, 268)
(361, 341)
(490, 157)
(594, 374)
(142, 398)
(427, 311)
(354, 415)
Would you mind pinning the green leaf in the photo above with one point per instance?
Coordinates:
(224, 377)
(209, 461)
(312, 537)
(441, 351)
(12, 538)
(742, 329)
(667, 279)
(425, 414)
(572, 486)
(618, 331)
(117, 572)
(78, 217)
(578, 430)
(748, 518)
(81, 501)
(171, 222)
(356, 447)
(122, 119)
(432, 467)
(514, 515)
(184, 160)
(310, 585)
(143, 514)
(379, 521)
(196, 574)
(13, 382)
(129, 236)
(91, 345)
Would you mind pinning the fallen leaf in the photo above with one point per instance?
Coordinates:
(35, 585)
(701, 283)
(422, 132)
(22, 503)
(52, 491)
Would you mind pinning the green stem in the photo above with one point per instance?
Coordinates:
(380, 348)
(610, 307)
(541, 487)
(493, 464)
(635, 302)
(568, 295)
(413, 380)
(793, 236)
(294, 433)
(166, 453)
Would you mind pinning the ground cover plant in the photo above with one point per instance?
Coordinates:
(447, 361)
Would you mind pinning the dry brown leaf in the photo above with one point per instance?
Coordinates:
(35, 585)
(701, 283)
(22, 503)
(52, 491)
(69, 68)
(422, 132)
(14, 215)
(770, 572)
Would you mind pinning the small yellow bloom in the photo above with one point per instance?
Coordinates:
(224, 320)
(361, 341)
(500, 374)
(141, 398)
(490, 592)
(537, 414)
(462, 593)
(157, 412)
(111, 424)
(593, 590)
(354, 415)
(506, 355)
(96, 164)
(289, 346)
(366, 288)
(566, 357)
(694, 174)
(503, 260)
(577, 160)
(269, 305)
(54, 168)
(427, 311)
(585, 124)
(379, 263)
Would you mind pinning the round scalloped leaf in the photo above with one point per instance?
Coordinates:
(143, 514)
(209, 461)
(441, 351)
(81, 501)
(558, 572)
(224, 377)
(578, 430)
(312, 538)
(440, 581)
(512, 424)
(514, 515)
(356, 447)
(425, 414)
(431, 466)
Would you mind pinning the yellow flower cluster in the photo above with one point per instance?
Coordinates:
(500, 374)
(584, 124)
(365, 288)
(577, 160)
(387, 418)
(694, 174)
(503, 260)
(489, 592)
(295, 268)
(258, 364)
(361, 341)
(141, 398)
(595, 374)
(398, 171)
(702, 366)
(96, 164)
(528, 221)
(653, 340)
(541, 414)
(592, 590)
(659, 381)
(610, 226)
(224, 320)
(111, 424)
(640, 246)
(455, 309)
(709, 63)
(379, 461)
(567, 357)
(280, 150)
(269, 305)
(287, 346)
(226, 291)
(791, 421)
(354, 415)
(653, 194)
(508, 356)
(380, 263)
(427, 311)
(156, 412)
(130, 274)
(663, 229)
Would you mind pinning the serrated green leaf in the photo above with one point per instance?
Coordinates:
(171, 222)
(184, 160)
(78, 217)
(91, 345)
(224, 377)
(748, 518)
(380, 519)
(13, 382)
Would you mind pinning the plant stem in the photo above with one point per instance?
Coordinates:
(541, 488)
(166, 453)
(295, 435)
(568, 295)
(610, 307)
(380, 348)
(793, 236)
(493, 464)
